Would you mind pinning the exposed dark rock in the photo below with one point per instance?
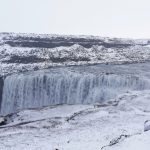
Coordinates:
(3, 121)
(21, 41)
(1, 89)
(146, 125)
(24, 59)
(116, 140)
(64, 59)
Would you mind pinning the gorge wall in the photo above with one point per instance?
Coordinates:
(65, 86)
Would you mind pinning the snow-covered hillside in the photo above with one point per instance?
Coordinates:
(22, 52)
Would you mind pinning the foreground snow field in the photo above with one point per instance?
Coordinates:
(81, 127)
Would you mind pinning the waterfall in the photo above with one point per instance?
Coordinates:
(43, 88)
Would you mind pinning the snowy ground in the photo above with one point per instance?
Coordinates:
(117, 125)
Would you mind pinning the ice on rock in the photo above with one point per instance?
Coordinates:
(64, 86)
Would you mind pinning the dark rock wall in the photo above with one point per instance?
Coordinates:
(1, 89)
(61, 41)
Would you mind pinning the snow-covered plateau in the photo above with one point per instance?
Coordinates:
(24, 52)
(74, 93)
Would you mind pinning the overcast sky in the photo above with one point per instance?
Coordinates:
(115, 18)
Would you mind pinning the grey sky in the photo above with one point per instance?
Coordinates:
(115, 18)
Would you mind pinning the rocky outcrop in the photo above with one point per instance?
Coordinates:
(53, 41)
(1, 88)
(147, 125)
(2, 121)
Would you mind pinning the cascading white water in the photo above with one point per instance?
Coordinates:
(44, 88)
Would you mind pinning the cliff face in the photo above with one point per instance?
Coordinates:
(66, 41)
(72, 85)
(1, 89)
